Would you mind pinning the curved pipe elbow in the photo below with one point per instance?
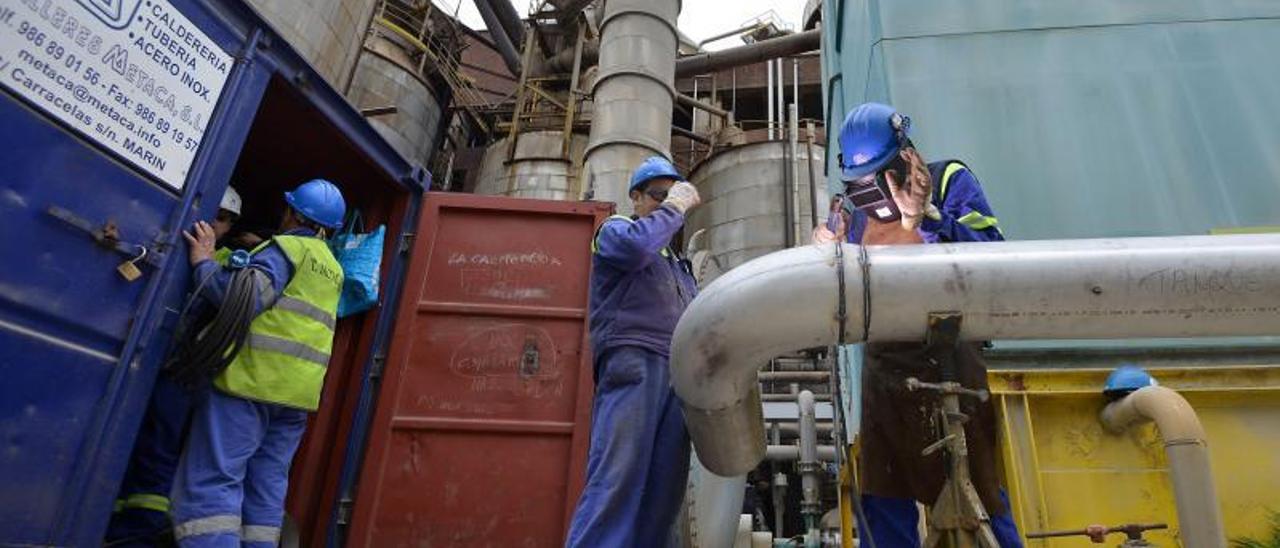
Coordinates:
(779, 303)
(1174, 417)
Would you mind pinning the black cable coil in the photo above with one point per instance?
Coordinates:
(203, 353)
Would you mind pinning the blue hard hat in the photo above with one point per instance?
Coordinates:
(319, 201)
(1126, 379)
(654, 167)
(870, 138)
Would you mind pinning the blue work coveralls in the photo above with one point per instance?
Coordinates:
(237, 456)
(141, 515)
(638, 462)
(965, 217)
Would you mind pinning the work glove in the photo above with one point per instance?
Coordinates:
(913, 196)
(837, 226)
(683, 196)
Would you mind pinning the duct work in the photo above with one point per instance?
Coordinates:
(633, 93)
(1194, 286)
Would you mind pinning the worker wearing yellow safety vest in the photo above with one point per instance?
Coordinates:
(233, 475)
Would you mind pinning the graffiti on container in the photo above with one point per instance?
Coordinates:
(512, 358)
(533, 258)
(504, 276)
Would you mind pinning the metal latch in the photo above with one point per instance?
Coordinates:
(529, 361)
(108, 236)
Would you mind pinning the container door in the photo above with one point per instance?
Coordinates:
(481, 427)
(91, 192)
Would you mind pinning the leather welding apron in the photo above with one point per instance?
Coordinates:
(897, 424)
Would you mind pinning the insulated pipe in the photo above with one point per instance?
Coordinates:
(501, 40)
(633, 94)
(763, 50)
(1191, 286)
(1199, 514)
(810, 503)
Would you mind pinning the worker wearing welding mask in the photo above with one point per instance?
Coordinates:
(639, 458)
(140, 518)
(892, 196)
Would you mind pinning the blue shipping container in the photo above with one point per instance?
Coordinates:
(120, 124)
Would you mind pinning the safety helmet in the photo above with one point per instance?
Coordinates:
(870, 138)
(1126, 379)
(230, 201)
(319, 201)
(654, 167)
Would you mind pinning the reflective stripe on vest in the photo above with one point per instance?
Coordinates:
(977, 221)
(144, 501)
(951, 169)
(260, 533)
(287, 350)
(212, 525)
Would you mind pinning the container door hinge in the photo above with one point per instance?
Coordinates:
(379, 364)
(344, 511)
(406, 242)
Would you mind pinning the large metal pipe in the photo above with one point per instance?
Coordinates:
(791, 44)
(633, 93)
(1192, 286)
(501, 40)
(511, 23)
(1199, 514)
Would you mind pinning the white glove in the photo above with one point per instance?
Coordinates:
(683, 196)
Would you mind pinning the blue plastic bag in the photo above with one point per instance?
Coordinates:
(361, 258)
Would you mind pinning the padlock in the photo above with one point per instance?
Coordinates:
(129, 269)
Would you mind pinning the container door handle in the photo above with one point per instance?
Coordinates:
(529, 361)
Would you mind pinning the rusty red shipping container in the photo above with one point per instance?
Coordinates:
(480, 432)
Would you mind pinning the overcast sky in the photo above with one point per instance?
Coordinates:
(699, 19)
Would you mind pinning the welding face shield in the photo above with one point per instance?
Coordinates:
(871, 193)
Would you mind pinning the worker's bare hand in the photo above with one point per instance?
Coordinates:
(913, 196)
(201, 242)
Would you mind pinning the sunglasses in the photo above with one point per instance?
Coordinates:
(658, 194)
(226, 217)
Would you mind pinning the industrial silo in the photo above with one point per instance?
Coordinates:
(537, 169)
(744, 210)
(327, 33)
(386, 76)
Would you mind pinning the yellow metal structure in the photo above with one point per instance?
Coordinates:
(1063, 471)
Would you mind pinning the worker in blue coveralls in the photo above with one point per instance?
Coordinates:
(234, 472)
(141, 516)
(892, 196)
(639, 458)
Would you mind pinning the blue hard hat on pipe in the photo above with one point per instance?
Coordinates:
(1126, 379)
(653, 167)
(319, 201)
(870, 138)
